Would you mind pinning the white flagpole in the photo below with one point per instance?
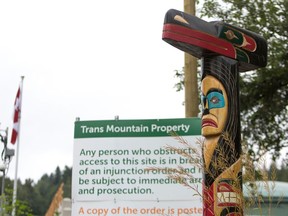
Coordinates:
(17, 153)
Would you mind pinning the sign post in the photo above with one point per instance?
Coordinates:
(225, 50)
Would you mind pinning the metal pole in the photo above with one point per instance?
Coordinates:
(17, 154)
(3, 169)
(3, 183)
(2, 193)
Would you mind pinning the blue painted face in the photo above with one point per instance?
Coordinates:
(214, 98)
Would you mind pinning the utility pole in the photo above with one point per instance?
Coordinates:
(4, 164)
(190, 73)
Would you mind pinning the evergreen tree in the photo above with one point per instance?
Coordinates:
(35, 198)
(67, 179)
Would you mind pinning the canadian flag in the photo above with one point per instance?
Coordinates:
(16, 117)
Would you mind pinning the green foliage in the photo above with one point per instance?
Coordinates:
(22, 207)
(280, 173)
(263, 93)
(35, 198)
(179, 74)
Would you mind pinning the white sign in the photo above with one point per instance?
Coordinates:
(122, 167)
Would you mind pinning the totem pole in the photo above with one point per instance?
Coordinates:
(225, 51)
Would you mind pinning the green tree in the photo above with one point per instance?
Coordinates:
(46, 188)
(57, 177)
(264, 92)
(281, 173)
(26, 192)
(35, 198)
(67, 179)
(22, 207)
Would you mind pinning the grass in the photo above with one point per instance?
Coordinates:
(253, 172)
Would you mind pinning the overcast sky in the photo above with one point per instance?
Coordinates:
(89, 59)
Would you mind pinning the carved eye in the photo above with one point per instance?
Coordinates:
(214, 100)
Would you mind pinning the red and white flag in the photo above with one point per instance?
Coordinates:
(16, 117)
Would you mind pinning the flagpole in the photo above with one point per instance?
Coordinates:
(17, 155)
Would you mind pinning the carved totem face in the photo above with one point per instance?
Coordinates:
(215, 107)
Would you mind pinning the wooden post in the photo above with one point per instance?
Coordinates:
(56, 201)
(190, 73)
